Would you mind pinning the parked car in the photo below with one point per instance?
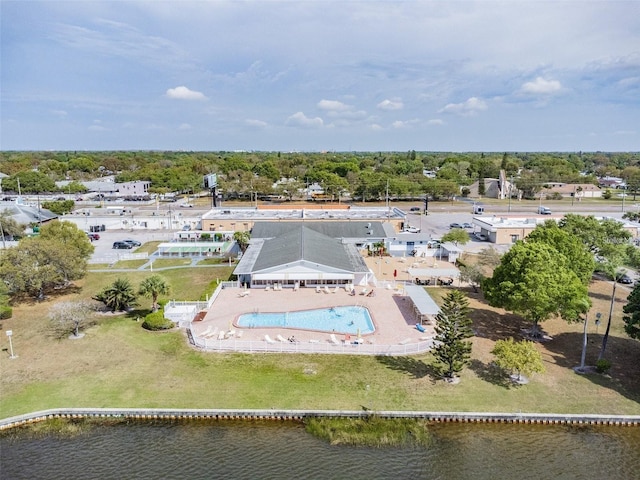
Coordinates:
(414, 209)
(480, 236)
(412, 230)
(93, 236)
(186, 205)
(122, 245)
(455, 225)
(626, 279)
(467, 225)
(133, 243)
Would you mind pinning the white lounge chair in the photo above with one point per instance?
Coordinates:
(335, 290)
(296, 286)
(205, 332)
(268, 339)
(212, 333)
(243, 294)
(364, 291)
(333, 339)
(221, 335)
(326, 289)
(405, 341)
(239, 334)
(318, 289)
(280, 338)
(267, 288)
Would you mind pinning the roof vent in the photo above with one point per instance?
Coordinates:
(368, 225)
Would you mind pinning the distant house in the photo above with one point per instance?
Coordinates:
(611, 182)
(577, 190)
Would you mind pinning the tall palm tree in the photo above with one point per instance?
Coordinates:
(118, 296)
(154, 286)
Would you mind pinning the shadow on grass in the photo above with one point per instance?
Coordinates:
(491, 373)
(494, 326)
(623, 353)
(416, 368)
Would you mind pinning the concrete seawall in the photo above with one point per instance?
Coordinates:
(299, 415)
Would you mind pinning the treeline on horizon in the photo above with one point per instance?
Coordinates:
(362, 175)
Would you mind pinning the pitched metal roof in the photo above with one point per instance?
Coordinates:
(308, 245)
(27, 214)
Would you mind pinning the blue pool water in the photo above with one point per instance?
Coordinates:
(351, 319)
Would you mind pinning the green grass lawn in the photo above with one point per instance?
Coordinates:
(119, 364)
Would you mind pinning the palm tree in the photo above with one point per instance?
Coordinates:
(118, 296)
(242, 239)
(152, 287)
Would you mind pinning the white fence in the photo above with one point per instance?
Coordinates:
(258, 346)
(183, 313)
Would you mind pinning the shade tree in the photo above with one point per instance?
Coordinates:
(533, 281)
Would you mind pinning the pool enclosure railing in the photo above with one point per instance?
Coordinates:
(261, 346)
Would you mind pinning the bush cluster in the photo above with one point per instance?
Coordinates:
(157, 321)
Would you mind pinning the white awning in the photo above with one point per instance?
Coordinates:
(302, 276)
(434, 272)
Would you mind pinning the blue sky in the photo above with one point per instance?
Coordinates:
(321, 75)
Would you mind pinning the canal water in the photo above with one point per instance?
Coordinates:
(245, 450)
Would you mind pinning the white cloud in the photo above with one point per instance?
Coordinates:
(59, 113)
(250, 122)
(404, 123)
(541, 86)
(301, 120)
(333, 105)
(184, 126)
(183, 93)
(470, 107)
(435, 121)
(97, 128)
(395, 104)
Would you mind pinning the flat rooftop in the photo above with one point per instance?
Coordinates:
(304, 213)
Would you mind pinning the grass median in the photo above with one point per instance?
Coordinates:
(119, 364)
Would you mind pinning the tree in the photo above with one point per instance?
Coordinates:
(452, 329)
(579, 258)
(118, 296)
(10, 228)
(489, 257)
(532, 280)
(152, 287)
(242, 239)
(70, 236)
(472, 274)
(632, 311)
(456, 235)
(520, 357)
(38, 265)
(67, 318)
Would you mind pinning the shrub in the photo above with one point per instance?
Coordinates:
(157, 321)
(603, 365)
(5, 312)
(554, 196)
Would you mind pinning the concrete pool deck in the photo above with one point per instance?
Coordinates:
(391, 312)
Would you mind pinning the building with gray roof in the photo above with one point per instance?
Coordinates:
(303, 254)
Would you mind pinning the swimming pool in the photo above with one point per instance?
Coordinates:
(349, 319)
